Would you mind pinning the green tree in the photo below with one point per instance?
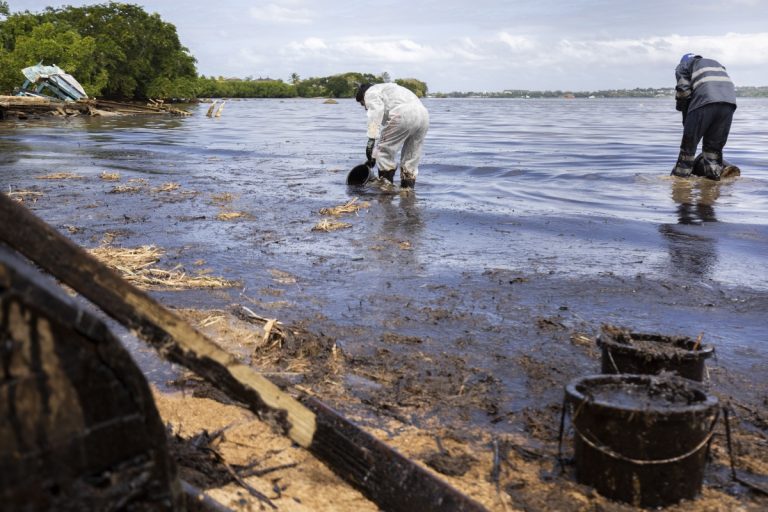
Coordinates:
(123, 50)
(295, 78)
(134, 47)
(338, 86)
(44, 43)
(418, 87)
(236, 88)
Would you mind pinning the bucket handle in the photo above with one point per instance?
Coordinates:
(615, 455)
(610, 356)
(734, 476)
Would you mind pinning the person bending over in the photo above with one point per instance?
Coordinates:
(705, 95)
(398, 119)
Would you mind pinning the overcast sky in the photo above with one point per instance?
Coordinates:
(478, 45)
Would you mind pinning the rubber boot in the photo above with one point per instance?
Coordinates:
(407, 182)
(684, 165)
(713, 164)
(388, 175)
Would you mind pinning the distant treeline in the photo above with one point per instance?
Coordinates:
(648, 92)
(119, 51)
(343, 85)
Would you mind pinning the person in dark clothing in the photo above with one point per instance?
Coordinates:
(705, 95)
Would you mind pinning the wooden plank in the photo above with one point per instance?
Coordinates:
(383, 475)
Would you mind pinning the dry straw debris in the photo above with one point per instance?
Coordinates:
(282, 277)
(231, 215)
(110, 176)
(126, 189)
(60, 176)
(136, 265)
(223, 198)
(351, 206)
(326, 225)
(22, 196)
(167, 187)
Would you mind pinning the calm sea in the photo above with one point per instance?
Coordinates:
(504, 182)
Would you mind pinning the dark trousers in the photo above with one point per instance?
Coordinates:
(711, 122)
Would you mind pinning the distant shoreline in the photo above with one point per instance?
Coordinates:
(661, 92)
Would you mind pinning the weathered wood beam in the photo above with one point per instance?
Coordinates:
(378, 471)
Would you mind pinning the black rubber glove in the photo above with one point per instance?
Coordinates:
(369, 152)
(682, 106)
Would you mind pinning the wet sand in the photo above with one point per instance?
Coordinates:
(447, 332)
(445, 367)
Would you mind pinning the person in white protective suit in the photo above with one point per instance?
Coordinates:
(398, 119)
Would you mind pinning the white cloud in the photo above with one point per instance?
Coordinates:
(730, 48)
(504, 60)
(314, 44)
(366, 50)
(516, 43)
(467, 50)
(274, 13)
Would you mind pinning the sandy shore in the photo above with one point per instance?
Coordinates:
(463, 372)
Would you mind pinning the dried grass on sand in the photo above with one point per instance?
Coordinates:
(60, 176)
(223, 198)
(136, 265)
(351, 206)
(232, 215)
(125, 189)
(326, 225)
(275, 348)
(22, 196)
(110, 176)
(167, 187)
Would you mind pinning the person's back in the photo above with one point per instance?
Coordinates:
(704, 81)
(392, 95)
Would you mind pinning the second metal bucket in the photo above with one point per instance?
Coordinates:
(642, 353)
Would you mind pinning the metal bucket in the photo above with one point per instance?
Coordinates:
(650, 354)
(359, 175)
(641, 439)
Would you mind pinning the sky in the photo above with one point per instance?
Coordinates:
(478, 45)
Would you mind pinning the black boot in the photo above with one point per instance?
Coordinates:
(713, 164)
(387, 175)
(407, 182)
(684, 165)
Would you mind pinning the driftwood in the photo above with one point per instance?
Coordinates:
(22, 105)
(79, 429)
(386, 477)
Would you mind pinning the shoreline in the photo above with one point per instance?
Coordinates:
(426, 347)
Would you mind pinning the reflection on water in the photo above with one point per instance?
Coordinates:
(696, 200)
(692, 254)
(399, 231)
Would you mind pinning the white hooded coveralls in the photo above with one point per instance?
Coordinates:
(398, 119)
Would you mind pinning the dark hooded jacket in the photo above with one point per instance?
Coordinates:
(702, 81)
